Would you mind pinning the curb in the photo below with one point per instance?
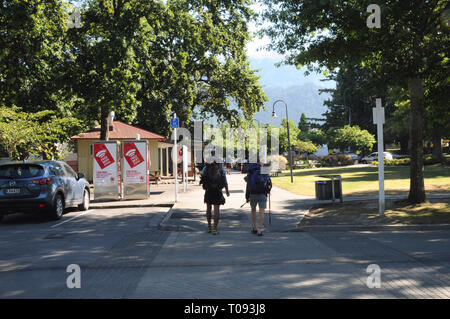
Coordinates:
(322, 228)
(130, 206)
(170, 227)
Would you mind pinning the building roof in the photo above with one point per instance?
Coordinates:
(120, 131)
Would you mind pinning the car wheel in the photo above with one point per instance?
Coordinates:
(85, 205)
(57, 210)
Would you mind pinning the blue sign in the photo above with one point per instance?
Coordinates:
(174, 123)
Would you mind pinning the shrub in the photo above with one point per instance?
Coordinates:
(336, 160)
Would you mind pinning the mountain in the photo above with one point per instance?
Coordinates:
(300, 99)
(285, 75)
(300, 92)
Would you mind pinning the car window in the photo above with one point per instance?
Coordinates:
(69, 172)
(56, 169)
(21, 171)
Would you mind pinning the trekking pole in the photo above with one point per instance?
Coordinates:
(243, 204)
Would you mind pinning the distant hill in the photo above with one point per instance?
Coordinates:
(285, 75)
(300, 92)
(299, 98)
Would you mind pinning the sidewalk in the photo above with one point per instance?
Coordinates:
(161, 195)
(188, 214)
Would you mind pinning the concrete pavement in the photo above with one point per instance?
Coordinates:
(188, 214)
(141, 253)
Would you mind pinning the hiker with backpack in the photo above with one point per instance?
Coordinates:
(258, 187)
(213, 181)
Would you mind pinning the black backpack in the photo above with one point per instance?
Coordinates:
(213, 177)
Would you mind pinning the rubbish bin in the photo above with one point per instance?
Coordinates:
(325, 192)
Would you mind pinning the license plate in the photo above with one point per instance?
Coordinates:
(12, 191)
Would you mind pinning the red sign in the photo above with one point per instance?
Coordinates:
(102, 155)
(132, 155)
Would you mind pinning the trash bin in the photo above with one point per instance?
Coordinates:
(324, 191)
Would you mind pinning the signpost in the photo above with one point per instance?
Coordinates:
(174, 123)
(379, 119)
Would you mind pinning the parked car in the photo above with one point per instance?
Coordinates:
(374, 156)
(44, 186)
(354, 156)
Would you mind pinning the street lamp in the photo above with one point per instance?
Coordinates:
(274, 115)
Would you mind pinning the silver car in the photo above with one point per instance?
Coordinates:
(374, 157)
(44, 186)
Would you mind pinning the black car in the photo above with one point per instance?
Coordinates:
(44, 186)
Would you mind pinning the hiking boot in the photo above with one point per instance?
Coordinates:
(209, 230)
(215, 232)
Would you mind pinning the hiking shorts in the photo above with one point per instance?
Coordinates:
(258, 199)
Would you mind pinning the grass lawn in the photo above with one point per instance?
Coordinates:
(363, 180)
(366, 213)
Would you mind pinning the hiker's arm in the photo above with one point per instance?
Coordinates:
(247, 193)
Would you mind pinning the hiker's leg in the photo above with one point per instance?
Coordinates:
(261, 219)
(208, 214)
(216, 215)
(254, 217)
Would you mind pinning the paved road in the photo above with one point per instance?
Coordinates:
(122, 253)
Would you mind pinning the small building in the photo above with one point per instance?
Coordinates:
(160, 149)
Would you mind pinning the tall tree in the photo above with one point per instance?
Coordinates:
(410, 44)
(33, 48)
(105, 71)
(303, 124)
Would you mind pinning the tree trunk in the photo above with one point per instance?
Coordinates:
(404, 145)
(417, 186)
(104, 130)
(437, 147)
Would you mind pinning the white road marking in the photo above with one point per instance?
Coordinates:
(66, 221)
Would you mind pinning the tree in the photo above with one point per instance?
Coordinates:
(315, 136)
(411, 44)
(283, 137)
(303, 124)
(304, 147)
(353, 137)
(194, 62)
(33, 49)
(33, 134)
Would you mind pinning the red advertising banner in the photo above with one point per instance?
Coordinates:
(102, 155)
(132, 154)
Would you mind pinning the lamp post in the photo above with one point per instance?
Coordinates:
(274, 115)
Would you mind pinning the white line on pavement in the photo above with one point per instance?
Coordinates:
(66, 221)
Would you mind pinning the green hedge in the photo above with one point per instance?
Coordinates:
(428, 160)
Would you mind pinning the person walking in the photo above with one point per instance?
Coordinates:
(258, 187)
(213, 180)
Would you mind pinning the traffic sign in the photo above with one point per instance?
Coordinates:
(174, 122)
